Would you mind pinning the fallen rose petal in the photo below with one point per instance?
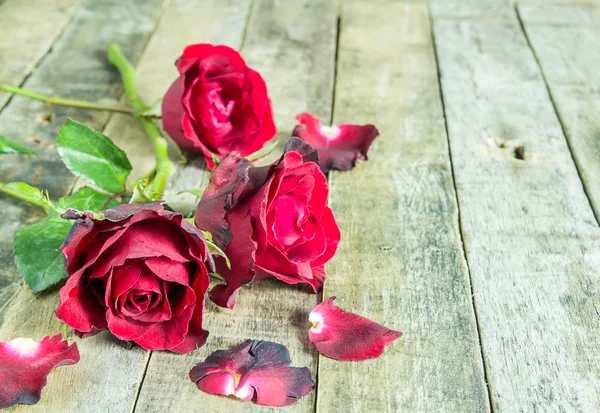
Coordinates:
(347, 336)
(25, 364)
(339, 146)
(254, 370)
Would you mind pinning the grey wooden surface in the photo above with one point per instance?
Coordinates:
(488, 263)
(400, 261)
(530, 236)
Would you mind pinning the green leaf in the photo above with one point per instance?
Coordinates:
(143, 194)
(93, 156)
(215, 159)
(267, 149)
(196, 192)
(37, 252)
(88, 199)
(10, 146)
(216, 275)
(207, 235)
(213, 249)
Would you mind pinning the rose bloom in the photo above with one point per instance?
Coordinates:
(218, 105)
(141, 272)
(271, 221)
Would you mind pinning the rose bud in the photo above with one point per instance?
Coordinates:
(254, 370)
(347, 336)
(271, 221)
(218, 105)
(25, 364)
(339, 146)
(141, 272)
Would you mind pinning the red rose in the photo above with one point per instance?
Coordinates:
(271, 221)
(218, 105)
(141, 272)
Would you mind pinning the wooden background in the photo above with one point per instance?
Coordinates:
(473, 228)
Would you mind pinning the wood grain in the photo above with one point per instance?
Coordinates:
(531, 238)
(471, 9)
(400, 261)
(568, 55)
(293, 46)
(107, 377)
(27, 30)
(560, 14)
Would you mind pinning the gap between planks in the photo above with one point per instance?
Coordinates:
(578, 166)
(458, 216)
(244, 31)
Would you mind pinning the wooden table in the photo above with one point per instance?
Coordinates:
(473, 228)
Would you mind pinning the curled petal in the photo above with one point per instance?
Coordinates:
(254, 370)
(339, 146)
(25, 364)
(232, 181)
(347, 336)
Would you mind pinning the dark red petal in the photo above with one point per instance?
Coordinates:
(232, 179)
(254, 370)
(172, 114)
(78, 307)
(25, 364)
(308, 153)
(347, 336)
(240, 251)
(339, 146)
(196, 335)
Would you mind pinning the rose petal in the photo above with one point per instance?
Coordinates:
(191, 54)
(347, 336)
(196, 335)
(308, 153)
(240, 251)
(257, 370)
(339, 146)
(229, 182)
(25, 364)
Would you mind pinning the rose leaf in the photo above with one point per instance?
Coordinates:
(266, 150)
(10, 146)
(88, 199)
(215, 250)
(37, 252)
(93, 156)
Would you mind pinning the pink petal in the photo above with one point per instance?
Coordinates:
(339, 146)
(347, 336)
(254, 370)
(25, 364)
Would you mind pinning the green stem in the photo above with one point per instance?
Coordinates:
(25, 195)
(56, 100)
(164, 167)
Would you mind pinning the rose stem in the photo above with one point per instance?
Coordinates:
(164, 166)
(24, 196)
(56, 100)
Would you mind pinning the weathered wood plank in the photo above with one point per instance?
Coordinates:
(400, 261)
(293, 46)
(27, 31)
(560, 14)
(471, 9)
(107, 378)
(531, 239)
(568, 57)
